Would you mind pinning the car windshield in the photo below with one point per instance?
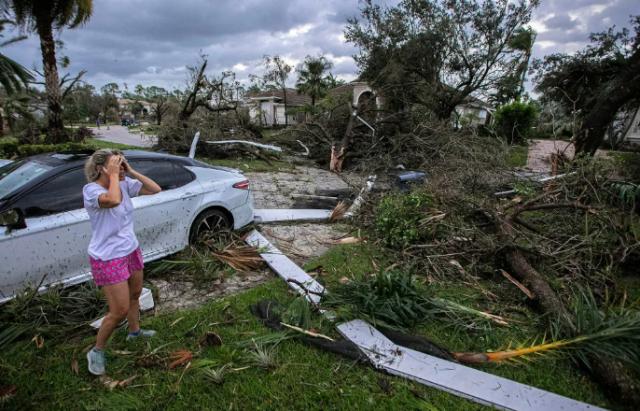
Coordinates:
(15, 175)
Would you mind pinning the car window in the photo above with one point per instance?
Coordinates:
(167, 174)
(13, 176)
(61, 193)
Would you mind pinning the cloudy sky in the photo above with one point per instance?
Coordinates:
(150, 42)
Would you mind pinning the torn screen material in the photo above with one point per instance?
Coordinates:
(270, 215)
(285, 268)
(478, 386)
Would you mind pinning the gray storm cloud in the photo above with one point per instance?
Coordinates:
(151, 42)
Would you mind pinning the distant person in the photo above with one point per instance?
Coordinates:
(114, 251)
(98, 122)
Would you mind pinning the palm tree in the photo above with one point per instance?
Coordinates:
(311, 79)
(13, 79)
(42, 17)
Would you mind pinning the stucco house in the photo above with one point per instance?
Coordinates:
(267, 108)
(632, 135)
(473, 112)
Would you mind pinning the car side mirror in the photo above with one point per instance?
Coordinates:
(13, 219)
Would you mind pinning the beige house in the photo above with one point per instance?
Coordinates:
(632, 135)
(473, 112)
(267, 107)
(126, 106)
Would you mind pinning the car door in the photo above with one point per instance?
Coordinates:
(45, 252)
(162, 220)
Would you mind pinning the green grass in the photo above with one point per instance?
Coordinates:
(108, 144)
(305, 377)
(253, 165)
(517, 156)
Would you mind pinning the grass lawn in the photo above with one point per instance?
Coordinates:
(303, 378)
(108, 144)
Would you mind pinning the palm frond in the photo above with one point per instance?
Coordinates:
(613, 332)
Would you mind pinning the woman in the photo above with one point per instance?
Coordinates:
(114, 252)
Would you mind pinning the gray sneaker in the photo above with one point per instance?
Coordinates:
(96, 361)
(141, 333)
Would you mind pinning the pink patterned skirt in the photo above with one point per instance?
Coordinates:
(117, 270)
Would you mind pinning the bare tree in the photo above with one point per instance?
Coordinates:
(277, 73)
(213, 94)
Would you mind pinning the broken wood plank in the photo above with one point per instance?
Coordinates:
(270, 215)
(289, 271)
(466, 382)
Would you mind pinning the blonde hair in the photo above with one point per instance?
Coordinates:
(98, 159)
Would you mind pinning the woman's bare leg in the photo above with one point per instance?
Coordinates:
(118, 300)
(135, 288)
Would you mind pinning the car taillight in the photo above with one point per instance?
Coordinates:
(242, 185)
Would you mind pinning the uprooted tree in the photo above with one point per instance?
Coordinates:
(595, 84)
(436, 54)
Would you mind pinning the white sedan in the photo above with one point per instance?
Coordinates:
(45, 231)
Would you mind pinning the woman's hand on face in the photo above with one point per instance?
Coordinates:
(126, 166)
(113, 166)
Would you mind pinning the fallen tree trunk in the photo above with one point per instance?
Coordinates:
(617, 379)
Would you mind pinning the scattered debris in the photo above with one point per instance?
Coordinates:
(7, 391)
(478, 386)
(179, 357)
(312, 201)
(261, 146)
(146, 303)
(357, 203)
(38, 340)
(338, 212)
(286, 269)
(240, 258)
(306, 149)
(348, 240)
(307, 332)
(518, 284)
(210, 339)
(112, 384)
(74, 365)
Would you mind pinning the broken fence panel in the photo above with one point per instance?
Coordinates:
(270, 215)
(285, 268)
(466, 382)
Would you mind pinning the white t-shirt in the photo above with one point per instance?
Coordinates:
(112, 228)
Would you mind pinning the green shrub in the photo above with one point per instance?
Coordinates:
(8, 149)
(27, 150)
(514, 121)
(399, 219)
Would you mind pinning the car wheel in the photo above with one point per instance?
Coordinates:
(211, 224)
